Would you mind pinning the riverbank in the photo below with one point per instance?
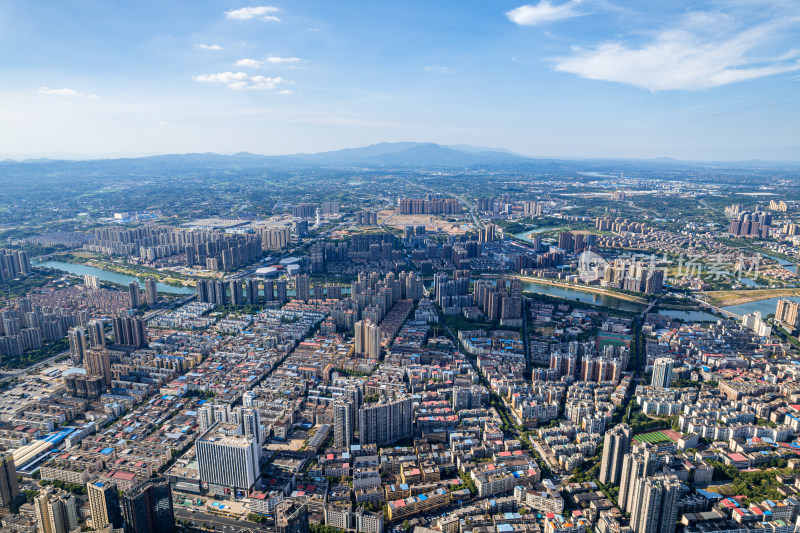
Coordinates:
(729, 298)
(110, 276)
(170, 279)
(587, 288)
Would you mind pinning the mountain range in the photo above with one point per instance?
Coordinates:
(382, 156)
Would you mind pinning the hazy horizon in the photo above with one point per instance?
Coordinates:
(713, 80)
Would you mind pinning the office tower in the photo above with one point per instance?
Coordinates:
(657, 509)
(343, 423)
(97, 334)
(97, 363)
(9, 488)
(280, 289)
(367, 339)
(235, 287)
(133, 292)
(77, 344)
(104, 504)
(386, 422)
(147, 507)
(56, 511)
(251, 291)
(302, 286)
(662, 373)
(301, 228)
(228, 460)
(150, 290)
(291, 517)
(617, 443)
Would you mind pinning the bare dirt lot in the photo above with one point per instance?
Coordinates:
(431, 222)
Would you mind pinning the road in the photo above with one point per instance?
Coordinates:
(720, 310)
(220, 523)
(43, 363)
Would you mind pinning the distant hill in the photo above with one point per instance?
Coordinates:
(382, 156)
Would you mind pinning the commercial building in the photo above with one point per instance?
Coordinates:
(228, 461)
(147, 507)
(9, 488)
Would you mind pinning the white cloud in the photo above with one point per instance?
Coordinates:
(247, 13)
(251, 63)
(438, 69)
(214, 47)
(241, 80)
(66, 92)
(255, 63)
(544, 12)
(283, 59)
(286, 91)
(705, 50)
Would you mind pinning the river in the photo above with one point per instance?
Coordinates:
(105, 275)
(791, 267)
(765, 306)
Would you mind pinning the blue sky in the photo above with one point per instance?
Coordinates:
(575, 78)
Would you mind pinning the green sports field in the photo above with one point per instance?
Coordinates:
(656, 437)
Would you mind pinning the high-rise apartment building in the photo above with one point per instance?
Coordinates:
(662, 373)
(130, 331)
(55, 511)
(151, 290)
(104, 504)
(637, 465)
(133, 293)
(98, 364)
(303, 287)
(343, 423)
(77, 344)
(617, 443)
(97, 334)
(788, 312)
(367, 339)
(386, 422)
(656, 510)
(147, 507)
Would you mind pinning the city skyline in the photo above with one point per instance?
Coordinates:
(591, 78)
